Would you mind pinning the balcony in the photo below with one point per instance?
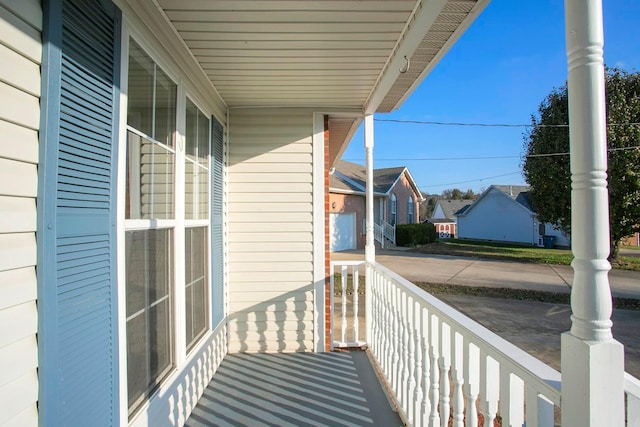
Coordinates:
(438, 366)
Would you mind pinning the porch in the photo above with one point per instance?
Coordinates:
(434, 361)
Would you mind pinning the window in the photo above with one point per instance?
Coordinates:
(150, 223)
(410, 210)
(392, 210)
(196, 208)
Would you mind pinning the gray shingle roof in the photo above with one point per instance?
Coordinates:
(519, 193)
(451, 207)
(353, 177)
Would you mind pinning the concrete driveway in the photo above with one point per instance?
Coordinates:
(533, 326)
(418, 267)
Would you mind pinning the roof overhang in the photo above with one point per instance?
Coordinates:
(363, 56)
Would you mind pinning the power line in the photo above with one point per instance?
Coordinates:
(471, 180)
(504, 125)
(424, 159)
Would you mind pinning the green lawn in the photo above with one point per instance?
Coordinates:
(512, 252)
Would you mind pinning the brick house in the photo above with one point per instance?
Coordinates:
(396, 201)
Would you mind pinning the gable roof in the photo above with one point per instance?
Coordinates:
(451, 207)
(517, 193)
(352, 177)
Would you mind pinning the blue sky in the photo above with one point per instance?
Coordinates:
(498, 72)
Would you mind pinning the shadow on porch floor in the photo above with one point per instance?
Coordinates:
(295, 389)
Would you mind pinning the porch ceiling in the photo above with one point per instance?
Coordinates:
(331, 54)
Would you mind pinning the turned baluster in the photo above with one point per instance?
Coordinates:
(426, 369)
(418, 420)
(471, 375)
(511, 398)
(435, 372)
(445, 365)
(490, 391)
(458, 380)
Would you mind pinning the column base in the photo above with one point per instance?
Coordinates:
(592, 383)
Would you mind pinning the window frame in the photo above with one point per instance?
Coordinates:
(393, 209)
(178, 224)
(410, 210)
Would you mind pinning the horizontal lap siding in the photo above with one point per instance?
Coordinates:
(270, 226)
(20, 54)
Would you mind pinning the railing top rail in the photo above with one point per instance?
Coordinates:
(521, 363)
(347, 262)
(631, 385)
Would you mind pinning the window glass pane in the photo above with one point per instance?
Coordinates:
(196, 164)
(203, 139)
(159, 341)
(149, 266)
(191, 131)
(195, 283)
(140, 90)
(165, 115)
(138, 378)
(149, 186)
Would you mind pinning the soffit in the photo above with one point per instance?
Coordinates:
(330, 54)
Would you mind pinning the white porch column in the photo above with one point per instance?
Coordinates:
(592, 361)
(369, 248)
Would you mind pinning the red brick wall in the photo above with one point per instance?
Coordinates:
(403, 191)
(350, 203)
(631, 240)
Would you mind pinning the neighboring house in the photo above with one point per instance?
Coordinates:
(445, 215)
(504, 213)
(633, 240)
(396, 201)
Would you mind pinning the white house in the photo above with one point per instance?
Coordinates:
(164, 197)
(503, 213)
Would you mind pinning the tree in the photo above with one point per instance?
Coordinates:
(457, 194)
(427, 206)
(546, 164)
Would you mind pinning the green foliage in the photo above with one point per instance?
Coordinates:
(549, 176)
(415, 234)
(457, 194)
(428, 205)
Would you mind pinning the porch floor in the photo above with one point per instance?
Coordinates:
(295, 389)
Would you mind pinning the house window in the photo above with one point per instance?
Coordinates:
(196, 220)
(410, 210)
(166, 227)
(392, 210)
(149, 225)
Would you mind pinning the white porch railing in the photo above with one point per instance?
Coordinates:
(378, 234)
(632, 394)
(384, 231)
(439, 363)
(350, 322)
(389, 231)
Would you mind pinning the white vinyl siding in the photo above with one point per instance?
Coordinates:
(270, 228)
(20, 52)
(497, 217)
